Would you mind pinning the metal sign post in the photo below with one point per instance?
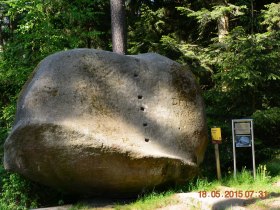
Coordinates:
(243, 136)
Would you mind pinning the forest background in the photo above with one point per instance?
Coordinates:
(232, 47)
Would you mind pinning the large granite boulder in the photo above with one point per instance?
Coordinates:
(96, 122)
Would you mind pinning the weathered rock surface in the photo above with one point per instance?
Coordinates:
(96, 122)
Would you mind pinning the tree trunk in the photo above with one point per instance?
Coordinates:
(1, 32)
(252, 16)
(118, 26)
(223, 27)
(1, 39)
(223, 22)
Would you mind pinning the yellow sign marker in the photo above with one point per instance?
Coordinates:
(216, 134)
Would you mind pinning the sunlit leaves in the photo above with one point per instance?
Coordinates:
(272, 16)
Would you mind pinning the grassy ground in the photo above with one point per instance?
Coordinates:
(151, 201)
(264, 184)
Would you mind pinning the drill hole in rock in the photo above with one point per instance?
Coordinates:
(140, 97)
(147, 140)
(135, 75)
(145, 124)
(142, 108)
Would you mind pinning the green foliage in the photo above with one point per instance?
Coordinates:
(6, 120)
(205, 16)
(267, 126)
(56, 25)
(245, 70)
(273, 167)
(152, 22)
(8, 114)
(271, 16)
(16, 193)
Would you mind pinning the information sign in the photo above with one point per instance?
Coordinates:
(242, 133)
(242, 128)
(243, 136)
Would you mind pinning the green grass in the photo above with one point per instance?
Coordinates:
(79, 206)
(201, 184)
(243, 181)
(151, 201)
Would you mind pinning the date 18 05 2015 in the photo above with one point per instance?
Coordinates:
(233, 194)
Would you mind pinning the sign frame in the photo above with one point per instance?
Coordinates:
(243, 136)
